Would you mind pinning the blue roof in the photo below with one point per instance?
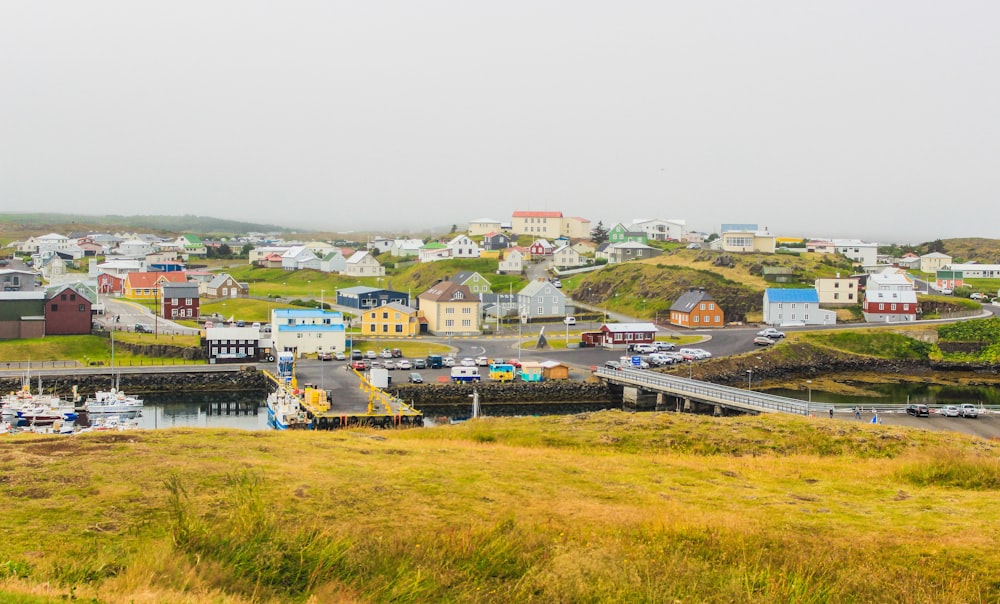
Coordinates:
(293, 313)
(311, 327)
(775, 294)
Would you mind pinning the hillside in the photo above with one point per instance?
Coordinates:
(20, 226)
(602, 507)
(977, 249)
(648, 288)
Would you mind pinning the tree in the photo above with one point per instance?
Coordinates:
(245, 252)
(599, 234)
(454, 228)
(224, 251)
(936, 246)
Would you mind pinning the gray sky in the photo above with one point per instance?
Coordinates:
(849, 119)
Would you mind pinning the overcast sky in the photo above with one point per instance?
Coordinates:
(878, 120)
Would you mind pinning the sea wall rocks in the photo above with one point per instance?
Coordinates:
(510, 392)
(144, 383)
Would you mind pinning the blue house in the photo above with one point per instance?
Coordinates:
(307, 331)
(791, 307)
(362, 297)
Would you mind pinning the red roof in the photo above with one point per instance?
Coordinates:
(148, 280)
(537, 214)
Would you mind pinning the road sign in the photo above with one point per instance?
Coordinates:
(636, 360)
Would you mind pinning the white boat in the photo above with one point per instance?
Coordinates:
(26, 408)
(284, 411)
(112, 401)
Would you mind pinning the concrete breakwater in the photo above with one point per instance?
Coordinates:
(144, 383)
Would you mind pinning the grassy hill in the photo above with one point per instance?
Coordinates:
(648, 288)
(603, 507)
(977, 249)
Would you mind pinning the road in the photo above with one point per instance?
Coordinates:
(124, 315)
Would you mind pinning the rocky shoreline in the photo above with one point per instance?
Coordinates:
(249, 379)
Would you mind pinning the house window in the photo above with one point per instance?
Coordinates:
(466, 322)
(371, 328)
(881, 306)
(718, 319)
(82, 308)
(711, 306)
(399, 328)
(892, 307)
(836, 295)
(701, 306)
(187, 301)
(449, 323)
(385, 315)
(467, 310)
(449, 310)
(385, 328)
(55, 307)
(697, 319)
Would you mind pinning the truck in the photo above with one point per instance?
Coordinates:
(465, 374)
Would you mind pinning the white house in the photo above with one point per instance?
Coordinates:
(406, 247)
(838, 290)
(658, 229)
(380, 245)
(934, 261)
(432, 251)
(259, 253)
(299, 257)
(307, 331)
(462, 246)
(860, 252)
(483, 226)
(566, 256)
(363, 264)
(512, 262)
(135, 248)
(795, 307)
(889, 298)
(333, 262)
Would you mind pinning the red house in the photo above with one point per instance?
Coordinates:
(109, 284)
(68, 311)
(541, 247)
(620, 335)
(180, 300)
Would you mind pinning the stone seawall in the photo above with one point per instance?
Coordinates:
(144, 383)
(510, 392)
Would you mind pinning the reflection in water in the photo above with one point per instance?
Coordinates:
(243, 410)
(932, 395)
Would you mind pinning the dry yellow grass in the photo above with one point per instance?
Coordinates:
(595, 507)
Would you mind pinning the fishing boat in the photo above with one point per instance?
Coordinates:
(284, 411)
(25, 408)
(112, 401)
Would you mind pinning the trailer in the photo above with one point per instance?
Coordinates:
(501, 372)
(465, 374)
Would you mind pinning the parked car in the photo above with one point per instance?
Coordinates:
(950, 411)
(386, 354)
(468, 362)
(404, 364)
(143, 328)
(396, 353)
(448, 362)
(771, 332)
(482, 361)
(658, 359)
(569, 320)
(557, 283)
(969, 410)
(370, 354)
(324, 356)
(613, 365)
(978, 296)
(419, 363)
(664, 346)
(356, 355)
(416, 378)
(388, 364)
(762, 341)
(695, 353)
(627, 363)
(917, 410)
(358, 365)
(645, 348)
(339, 356)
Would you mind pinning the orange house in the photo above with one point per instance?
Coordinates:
(696, 309)
(146, 286)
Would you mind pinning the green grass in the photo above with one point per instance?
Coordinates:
(874, 342)
(598, 507)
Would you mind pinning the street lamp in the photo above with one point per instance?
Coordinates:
(810, 399)
(749, 377)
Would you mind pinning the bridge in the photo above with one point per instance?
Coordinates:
(688, 392)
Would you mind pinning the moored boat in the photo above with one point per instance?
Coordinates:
(112, 401)
(284, 411)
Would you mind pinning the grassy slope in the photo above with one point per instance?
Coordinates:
(79, 348)
(597, 508)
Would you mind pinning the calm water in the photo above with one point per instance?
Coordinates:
(242, 410)
(929, 394)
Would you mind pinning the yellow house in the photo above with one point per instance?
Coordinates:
(146, 286)
(450, 309)
(393, 320)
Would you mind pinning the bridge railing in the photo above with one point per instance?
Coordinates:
(707, 391)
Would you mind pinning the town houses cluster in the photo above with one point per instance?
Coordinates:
(64, 277)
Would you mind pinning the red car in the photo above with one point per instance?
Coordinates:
(359, 365)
